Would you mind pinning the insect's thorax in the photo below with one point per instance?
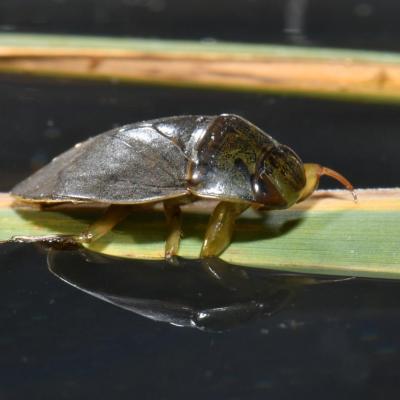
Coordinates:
(224, 160)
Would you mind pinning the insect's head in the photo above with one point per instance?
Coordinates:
(282, 179)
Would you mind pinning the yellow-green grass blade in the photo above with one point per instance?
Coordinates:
(327, 234)
(322, 72)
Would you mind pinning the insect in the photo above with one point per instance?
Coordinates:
(178, 160)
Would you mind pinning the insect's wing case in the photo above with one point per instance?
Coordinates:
(135, 163)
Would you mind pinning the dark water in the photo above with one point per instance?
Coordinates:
(329, 340)
(59, 341)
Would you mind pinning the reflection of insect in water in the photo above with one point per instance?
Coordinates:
(188, 296)
(178, 160)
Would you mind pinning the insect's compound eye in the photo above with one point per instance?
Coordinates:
(265, 192)
(280, 177)
(260, 188)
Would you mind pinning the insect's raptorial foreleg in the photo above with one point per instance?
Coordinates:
(220, 228)
(111, 217)
(173, 214)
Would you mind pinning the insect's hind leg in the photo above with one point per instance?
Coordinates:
(111, 217)
(220, 227)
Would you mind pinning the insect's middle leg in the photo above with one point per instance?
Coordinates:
(173, 214)
(220, 228)
(111, 217)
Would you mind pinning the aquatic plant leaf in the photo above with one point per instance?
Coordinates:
(326, 234)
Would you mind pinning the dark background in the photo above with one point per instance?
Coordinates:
(363, 24)
(333, 341)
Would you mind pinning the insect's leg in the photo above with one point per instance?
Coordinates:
(111, 217)
(220, 228)
(173, 214)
